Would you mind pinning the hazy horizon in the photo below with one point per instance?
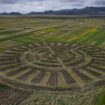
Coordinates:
(26, 6)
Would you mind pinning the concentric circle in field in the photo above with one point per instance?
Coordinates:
(52, 66)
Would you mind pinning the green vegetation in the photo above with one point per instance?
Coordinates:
(100, 100)
(13, 32)
(2, 86)
(90, 31)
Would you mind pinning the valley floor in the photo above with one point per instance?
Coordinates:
(46, 61)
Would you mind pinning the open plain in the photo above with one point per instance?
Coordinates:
(52, 61)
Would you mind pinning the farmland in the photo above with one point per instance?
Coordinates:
(51, 61)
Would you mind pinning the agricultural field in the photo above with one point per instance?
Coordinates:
(52, 61)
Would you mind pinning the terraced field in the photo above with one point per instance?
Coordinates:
(52, 62)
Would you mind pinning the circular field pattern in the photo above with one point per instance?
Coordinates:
(52, 66)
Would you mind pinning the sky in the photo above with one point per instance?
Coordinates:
(26, 6)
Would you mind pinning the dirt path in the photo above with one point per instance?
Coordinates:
(79, 81)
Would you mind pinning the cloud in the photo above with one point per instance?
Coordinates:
(25, 6)
(18, 1)
(8, 1)
(100, 2)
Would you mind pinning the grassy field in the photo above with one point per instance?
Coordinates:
(12, 31)
(24, 31)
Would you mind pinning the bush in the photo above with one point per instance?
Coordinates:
(101, 98)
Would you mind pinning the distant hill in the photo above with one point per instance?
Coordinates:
(12, 13)
(85, 11)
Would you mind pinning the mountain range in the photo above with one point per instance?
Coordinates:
(88, 11)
